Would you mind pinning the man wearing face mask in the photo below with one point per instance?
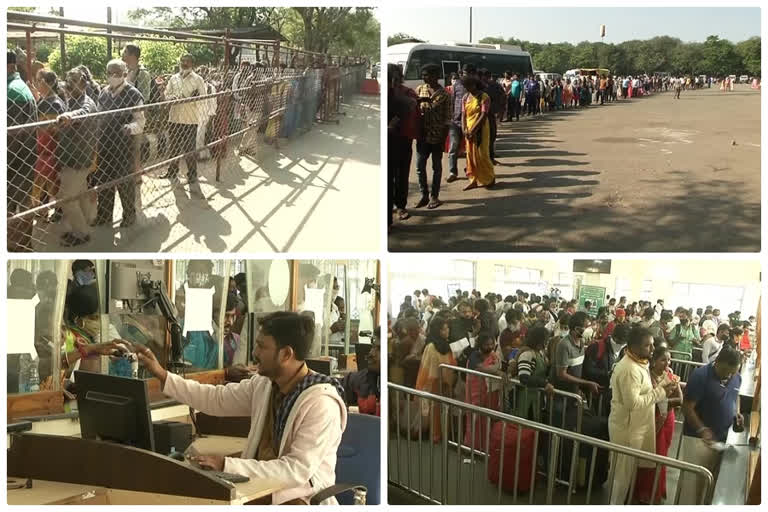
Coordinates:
(201, 349)
(464, 323)
(713, 342)
(82, 345)
(183, 118)
(682, 337)
(569, 358)
(116, 145)
(76, 152)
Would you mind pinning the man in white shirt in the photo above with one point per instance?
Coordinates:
(712, 345)
(184, 117)
(297, 415)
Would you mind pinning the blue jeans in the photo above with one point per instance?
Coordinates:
(455, 135)
(424, 151)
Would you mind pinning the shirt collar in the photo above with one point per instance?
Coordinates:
(13, 76)
(295, 380)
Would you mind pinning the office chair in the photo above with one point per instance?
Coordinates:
(357, 460)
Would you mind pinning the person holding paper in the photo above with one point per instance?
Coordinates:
(665, 428)
(711, 405)
(437, 352)
(631, 420)
(297, 415)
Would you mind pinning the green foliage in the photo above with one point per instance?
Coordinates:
(713, 57)
(749, 51)
(43, 51)
(160, 57)
(91, 51)
(342, 30)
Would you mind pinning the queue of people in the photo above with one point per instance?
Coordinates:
(463, 118)
(80, 149)
(619, 356)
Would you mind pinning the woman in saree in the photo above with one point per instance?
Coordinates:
(476, 108)
(567, 96)
(436, 352)
(665, 429)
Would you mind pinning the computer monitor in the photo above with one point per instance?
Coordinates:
(114, 409)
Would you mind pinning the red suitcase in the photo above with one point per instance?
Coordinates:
(510, 443)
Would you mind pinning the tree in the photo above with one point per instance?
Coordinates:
(324, 26)
(160, 57)
(492, 40)
(88, 50)
(402, 37)
(749, 51)
(719, 57)
(347, 30)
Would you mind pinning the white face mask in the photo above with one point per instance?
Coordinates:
(115, 81)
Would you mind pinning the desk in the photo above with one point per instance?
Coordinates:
(98, 480)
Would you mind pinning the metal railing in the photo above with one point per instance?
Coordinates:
(684, 368)
(556, 438)
(509, 390)
(69, 173)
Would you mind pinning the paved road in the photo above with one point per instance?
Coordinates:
(651, 174)
(308, 196)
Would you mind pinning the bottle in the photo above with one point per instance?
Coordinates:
(24, 373)
(34, 376)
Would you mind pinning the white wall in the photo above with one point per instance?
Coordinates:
(662, 272)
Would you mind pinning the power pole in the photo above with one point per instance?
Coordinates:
(470, 24)
(109, 30)
(62, 45)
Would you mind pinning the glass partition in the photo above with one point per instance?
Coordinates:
(34, 306)
(267, 289)
(202, 350)
(132, 310)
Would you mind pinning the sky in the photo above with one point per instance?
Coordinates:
(560, 24)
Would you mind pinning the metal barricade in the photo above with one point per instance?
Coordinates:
(400, 470)
(683, 368)
(508, 392)
(71, 171)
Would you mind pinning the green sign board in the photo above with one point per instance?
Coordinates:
(594, 294)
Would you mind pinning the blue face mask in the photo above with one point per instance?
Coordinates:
(85, 277)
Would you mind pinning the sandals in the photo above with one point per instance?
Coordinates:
(434, 203)
(472, 185)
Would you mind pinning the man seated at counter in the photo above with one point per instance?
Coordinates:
(297, 415)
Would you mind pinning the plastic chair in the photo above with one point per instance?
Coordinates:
(358, 460)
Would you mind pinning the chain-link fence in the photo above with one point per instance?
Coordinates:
(76, 145)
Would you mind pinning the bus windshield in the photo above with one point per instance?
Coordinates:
(497, 64)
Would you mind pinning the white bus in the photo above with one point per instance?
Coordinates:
(452, 56)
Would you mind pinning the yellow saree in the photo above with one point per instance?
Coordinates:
(479, 165)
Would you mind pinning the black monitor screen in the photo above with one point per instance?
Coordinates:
(114, 409)
(592, 266)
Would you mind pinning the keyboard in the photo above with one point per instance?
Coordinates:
(229, 477)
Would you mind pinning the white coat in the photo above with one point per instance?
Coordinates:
(306, 462)
(632, 421)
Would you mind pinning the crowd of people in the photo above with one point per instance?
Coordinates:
(618, 356)
(463, 118)
(80, 149)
